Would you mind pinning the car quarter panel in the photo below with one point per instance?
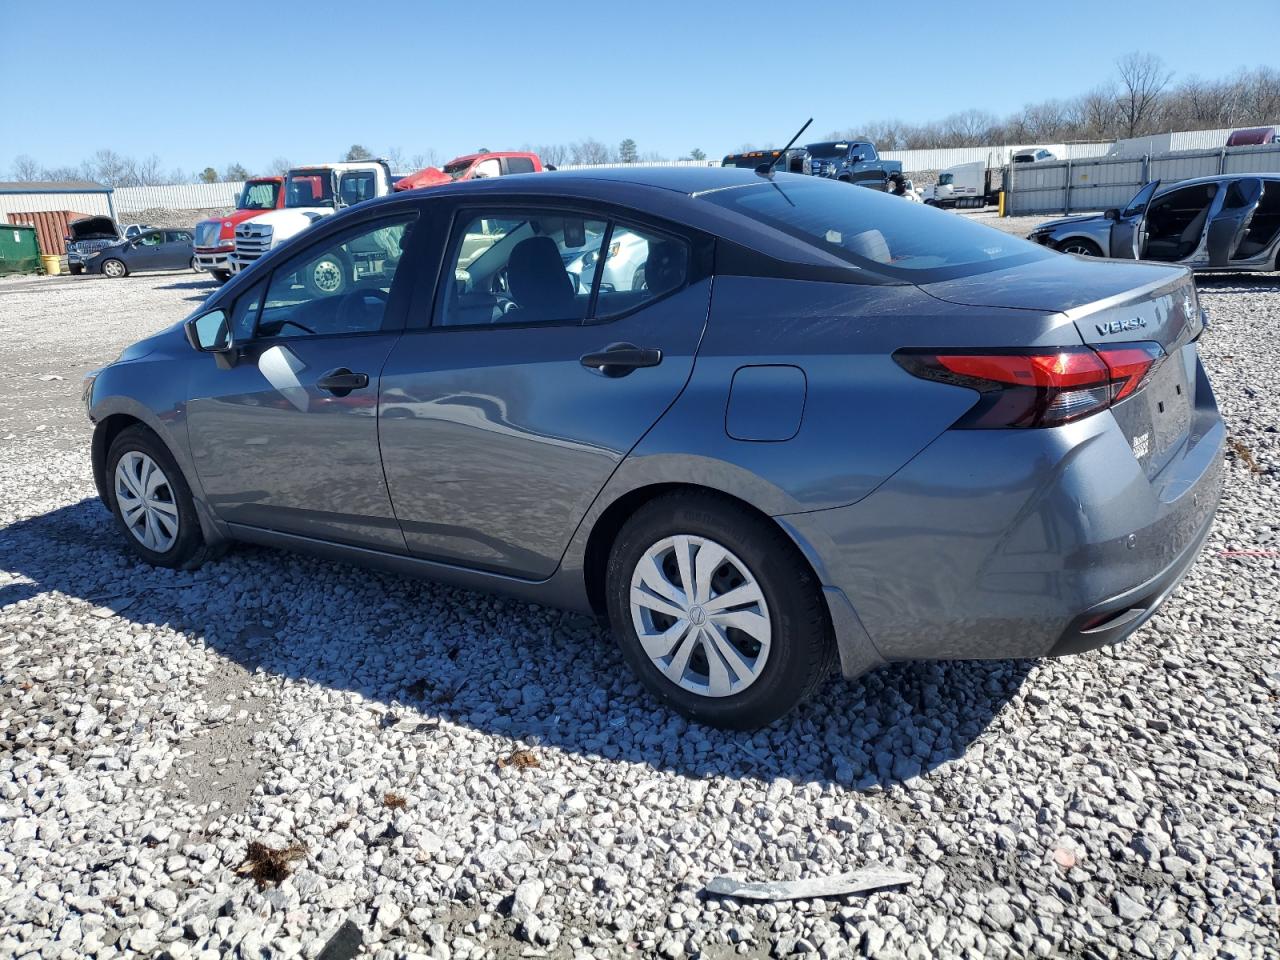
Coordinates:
(863, 415)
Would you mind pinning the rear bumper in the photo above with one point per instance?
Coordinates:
(1031, 543)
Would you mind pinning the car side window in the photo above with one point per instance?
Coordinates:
(519, 165)
(487, 168)
(150, 239)
(639, 266)
(357, 187)
(177, 236)
(339, 285)
(518, 267)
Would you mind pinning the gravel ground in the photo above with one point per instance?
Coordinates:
(451, 774)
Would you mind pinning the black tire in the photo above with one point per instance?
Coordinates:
(75, 269)
(106, 264)
(845, 178)
(222, 276)
(195, 265)
(637, 279)
(802, 652)
(329, 276)
(188, 550)
(1080, 247)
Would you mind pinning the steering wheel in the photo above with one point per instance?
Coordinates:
(348, 319)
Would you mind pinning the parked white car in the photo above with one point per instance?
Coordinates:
(623, 265)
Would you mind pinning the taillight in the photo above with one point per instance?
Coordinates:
(1037, 388)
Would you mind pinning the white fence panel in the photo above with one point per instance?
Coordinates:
(182, 196)
(1112, 181)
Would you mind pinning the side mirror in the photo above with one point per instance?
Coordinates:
(1113, 214)
(211, 333)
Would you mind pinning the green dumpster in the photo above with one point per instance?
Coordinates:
(19, 251)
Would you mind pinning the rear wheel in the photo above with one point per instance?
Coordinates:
(114, 268)
(717, 612)
(1080, 247)
(152, 502)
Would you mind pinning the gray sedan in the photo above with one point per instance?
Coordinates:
(149, 250)
(1224, 224)
(828, 427)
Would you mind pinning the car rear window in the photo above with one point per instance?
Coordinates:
(878, 232)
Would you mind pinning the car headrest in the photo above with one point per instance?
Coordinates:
(537, 277)
(666, 267)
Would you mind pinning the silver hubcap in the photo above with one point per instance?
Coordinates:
(700, 616)
(145, 501)
(112, 268)
(1077, 249)
(327, 276)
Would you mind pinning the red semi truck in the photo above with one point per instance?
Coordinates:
(216, 238)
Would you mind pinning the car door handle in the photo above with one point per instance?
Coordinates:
(619, 359)
(342, 381)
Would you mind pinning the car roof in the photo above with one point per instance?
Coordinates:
(1216, 178)
(685, 180)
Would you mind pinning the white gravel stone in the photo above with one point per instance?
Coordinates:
(156, 722)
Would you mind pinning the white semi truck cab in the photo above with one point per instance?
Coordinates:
(964, 185)
(311, 193)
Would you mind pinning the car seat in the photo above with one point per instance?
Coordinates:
(1182, 244)
(538, 282)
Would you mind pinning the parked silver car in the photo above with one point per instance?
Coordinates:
(821, 426)
(1225, 223)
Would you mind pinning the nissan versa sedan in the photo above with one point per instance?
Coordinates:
(828, 427)
(1225, 223)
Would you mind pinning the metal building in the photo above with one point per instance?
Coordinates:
(81, 196)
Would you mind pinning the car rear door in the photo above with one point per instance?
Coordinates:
(500, 424)
(1129, 232)
(1229, 226)
(176, 250)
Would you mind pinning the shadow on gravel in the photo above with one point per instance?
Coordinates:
(1259, 282)
(209, 285)
(532, 675)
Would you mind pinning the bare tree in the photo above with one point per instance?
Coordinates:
(25, 168)
(556, 154)
(424, 158)
(1143, 78)
(280, 166)
(590, 150)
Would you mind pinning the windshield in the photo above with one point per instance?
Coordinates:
(309, 188)
(259, 196)
(877, 232)
(828, 151)
(457, 169)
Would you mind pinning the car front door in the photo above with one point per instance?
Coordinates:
(1229, 226)
(146, 251)
(1129, 232)
(505, 411)
(287, 439)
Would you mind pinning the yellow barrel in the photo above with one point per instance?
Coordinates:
(52, 264)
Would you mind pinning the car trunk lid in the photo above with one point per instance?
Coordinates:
(1113, 305)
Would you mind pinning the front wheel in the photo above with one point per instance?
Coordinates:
(1080, 247)
(222, 276)
(114, 269)
(75, 269)
(327, 277)
(717, 612)
(152, 502)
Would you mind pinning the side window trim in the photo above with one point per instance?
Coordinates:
(592, 319)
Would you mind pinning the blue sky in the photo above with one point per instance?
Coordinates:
(206, 84)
